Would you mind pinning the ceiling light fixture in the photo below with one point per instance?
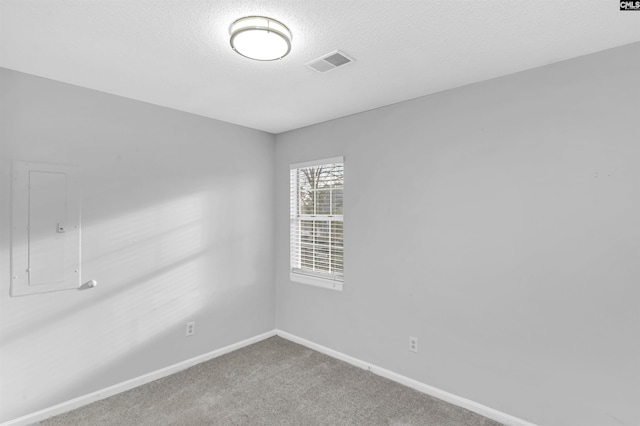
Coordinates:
(260, 38)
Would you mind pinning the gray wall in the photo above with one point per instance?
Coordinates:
(504, 234)
(170, 231)
(498, 223)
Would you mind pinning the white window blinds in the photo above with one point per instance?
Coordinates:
(317, 219)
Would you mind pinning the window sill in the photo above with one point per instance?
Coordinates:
(315, 281)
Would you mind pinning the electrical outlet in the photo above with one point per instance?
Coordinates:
(191, 328)
(413, 344)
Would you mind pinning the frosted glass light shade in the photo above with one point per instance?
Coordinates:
(260, 38)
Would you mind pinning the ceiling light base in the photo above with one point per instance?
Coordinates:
(260, 38)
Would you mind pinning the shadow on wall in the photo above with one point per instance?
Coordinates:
(177, 222)
(158, 266)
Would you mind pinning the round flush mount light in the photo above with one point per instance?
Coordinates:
(260, 38)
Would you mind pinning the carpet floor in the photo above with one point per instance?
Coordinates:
(272, 382)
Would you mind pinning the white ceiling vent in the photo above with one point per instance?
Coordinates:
(330, 61)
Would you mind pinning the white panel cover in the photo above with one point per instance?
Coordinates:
(45, 239)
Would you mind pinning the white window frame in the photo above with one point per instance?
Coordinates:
(296, 274)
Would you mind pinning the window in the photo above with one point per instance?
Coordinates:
(317, 254)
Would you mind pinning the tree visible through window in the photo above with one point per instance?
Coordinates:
(317, 219)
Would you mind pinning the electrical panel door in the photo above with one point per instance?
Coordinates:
(45, 244)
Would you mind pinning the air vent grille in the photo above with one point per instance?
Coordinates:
(330, 61)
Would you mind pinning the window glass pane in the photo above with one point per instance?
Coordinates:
(310, 177)
(322, 235)
(337, 175)
(306, 256)
(306, 197)
(322, 261)
(306, 203)
(337, 260)
(323, 201)
(306, 231)
(323, 174)
(336, 234)
(305, 181)
(336, 201)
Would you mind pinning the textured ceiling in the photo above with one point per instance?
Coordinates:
(176, 53)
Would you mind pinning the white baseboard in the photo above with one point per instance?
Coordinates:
(172, 369)
(132, 383)
(483, 410)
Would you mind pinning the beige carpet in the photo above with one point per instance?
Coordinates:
(273, 382)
